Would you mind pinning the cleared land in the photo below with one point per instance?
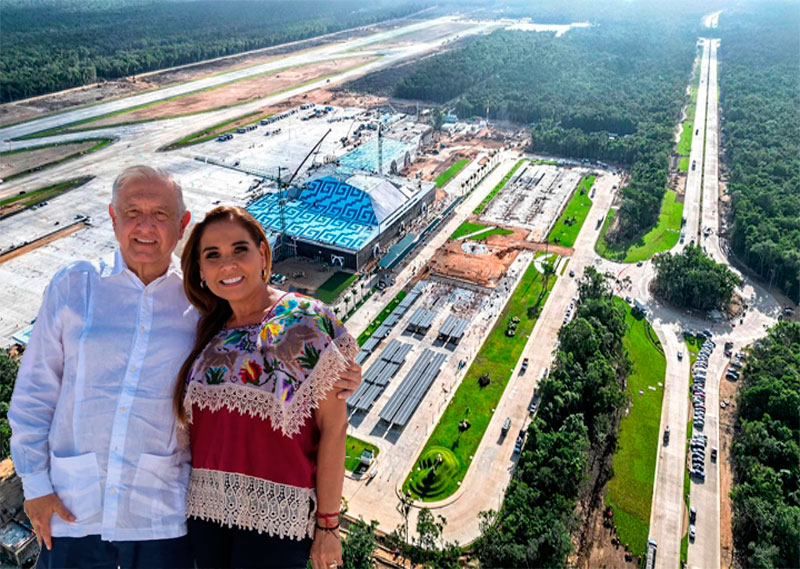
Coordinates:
(333, 287)
(569, 224)
(20, 162)
(662, 237)
(230, 94)
(630, 491)
(430, 34)
(473, 402)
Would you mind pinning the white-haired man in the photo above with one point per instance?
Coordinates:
(94, 436)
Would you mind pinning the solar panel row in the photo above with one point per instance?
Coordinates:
(421, 319)
(453, 328)
(378, 375)
(404, 402)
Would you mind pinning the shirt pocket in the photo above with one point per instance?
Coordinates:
(76, 481)
(159, 488)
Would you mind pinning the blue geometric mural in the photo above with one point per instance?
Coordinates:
(329, 211)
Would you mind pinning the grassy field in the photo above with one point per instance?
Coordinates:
(42, 194)
(569, 224)
(364, 336)
(466, 228)
(495, 231)
(683, 164)
(445, 176)
(100, 143)
(213, 130)
(662, 237)
(685, 142)
(333, 287)
(630, 491)
(488, 199)
(353, 452)
(497, 356)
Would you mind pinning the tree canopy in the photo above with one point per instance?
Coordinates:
(766, 455)
(580, 404)
(50, 46)
(761, 137)
(692, 279)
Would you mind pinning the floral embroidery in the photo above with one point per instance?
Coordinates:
(276, 358)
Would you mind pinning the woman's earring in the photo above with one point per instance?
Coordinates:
(202, 283)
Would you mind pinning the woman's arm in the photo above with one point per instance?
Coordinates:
(332, 422)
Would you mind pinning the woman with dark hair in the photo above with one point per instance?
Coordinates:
(267, 434)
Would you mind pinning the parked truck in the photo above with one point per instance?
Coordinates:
(652, 549)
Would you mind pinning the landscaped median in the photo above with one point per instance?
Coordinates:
(566, 229)
(354, 448)
(630, 491)
(98, 144)
(384, 314)
(474, 403)
(446, 176)
(660, 238)
(15, 204)
(478, 231)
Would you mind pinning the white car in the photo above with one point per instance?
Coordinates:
(692, 532)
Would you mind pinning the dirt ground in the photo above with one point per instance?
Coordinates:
(487, 268)
(727, 390)
(11, 164)
(234, 93)
(602, 553)
(55, 236)
(105, 90)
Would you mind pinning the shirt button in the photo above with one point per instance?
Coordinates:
(133, 368)
(122, 409)
(141, 328)
(112, 491)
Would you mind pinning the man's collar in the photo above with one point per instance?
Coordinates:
(120, 266)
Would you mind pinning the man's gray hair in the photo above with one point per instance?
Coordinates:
(141, 172)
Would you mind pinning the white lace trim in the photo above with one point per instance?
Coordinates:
(288, 418)
(248, 502)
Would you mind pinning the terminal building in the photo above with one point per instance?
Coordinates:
(340, 219)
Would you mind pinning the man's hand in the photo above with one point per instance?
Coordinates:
(40, 510)
(348, 381)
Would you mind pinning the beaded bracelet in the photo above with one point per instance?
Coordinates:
(327, 516)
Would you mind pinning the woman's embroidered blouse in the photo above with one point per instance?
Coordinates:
(249, 399)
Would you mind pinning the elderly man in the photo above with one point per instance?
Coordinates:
(94, 434)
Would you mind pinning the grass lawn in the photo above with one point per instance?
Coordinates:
(445, 176)
(353, 453)
(495, 231)
(569, 224)
(99, 143)
(487, 200)
(466, 228)
(662, 237)
(364, 336)
(213, 131)
(46, 193)
(496, 357)
(333, 287)
(630, 491)
(683, 165)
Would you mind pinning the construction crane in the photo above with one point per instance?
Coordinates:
(285, 185)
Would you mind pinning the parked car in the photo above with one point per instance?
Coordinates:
(692, 532)
(680, 355)
(692, 515)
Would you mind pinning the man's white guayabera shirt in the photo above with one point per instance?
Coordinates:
(91, 415)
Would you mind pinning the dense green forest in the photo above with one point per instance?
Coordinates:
(761, 104)
(574, 431)
(692, 279)
(49, 46)
(766, 455)
(8, 375)
(576, 89)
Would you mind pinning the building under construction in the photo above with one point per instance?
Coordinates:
(340, 219)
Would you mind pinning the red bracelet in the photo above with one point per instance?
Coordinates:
(327, 516)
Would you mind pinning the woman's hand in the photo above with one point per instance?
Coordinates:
(326, 551)
(348, 382)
